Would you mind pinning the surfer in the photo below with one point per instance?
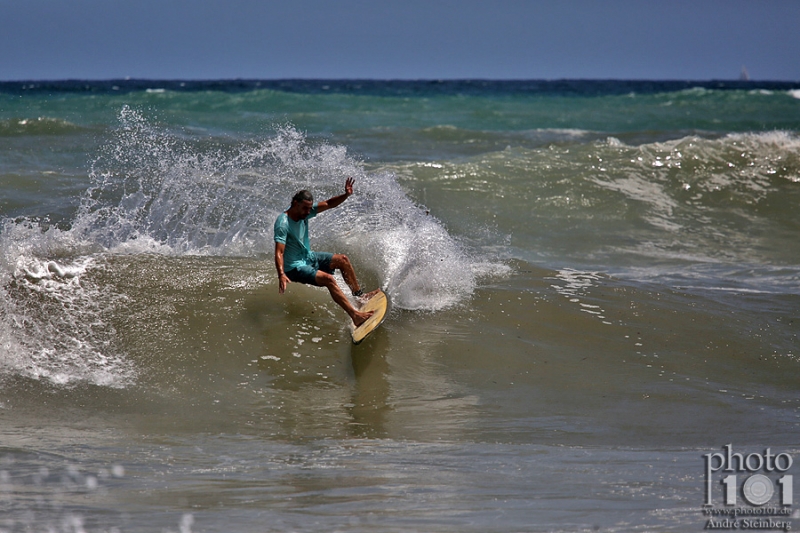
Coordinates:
(296, 262)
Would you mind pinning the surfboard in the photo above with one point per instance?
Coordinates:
(378, 303)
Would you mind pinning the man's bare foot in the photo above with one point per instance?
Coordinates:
(360, 317)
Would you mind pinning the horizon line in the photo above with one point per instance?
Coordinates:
(392, 79)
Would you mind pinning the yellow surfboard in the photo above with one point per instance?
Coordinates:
(378, 303)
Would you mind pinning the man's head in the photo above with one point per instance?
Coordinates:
(302, 202)
(303, 196)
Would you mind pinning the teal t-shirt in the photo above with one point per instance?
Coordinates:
(294, 235)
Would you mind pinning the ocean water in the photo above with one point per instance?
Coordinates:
(594, 286)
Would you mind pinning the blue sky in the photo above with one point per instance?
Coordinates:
(399, 39)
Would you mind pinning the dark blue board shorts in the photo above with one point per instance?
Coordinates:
(308, 273)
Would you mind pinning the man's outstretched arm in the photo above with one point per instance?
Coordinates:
(330, 203)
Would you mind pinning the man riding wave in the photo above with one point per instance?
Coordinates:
(295, 261)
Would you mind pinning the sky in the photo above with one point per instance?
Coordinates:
(399, 39)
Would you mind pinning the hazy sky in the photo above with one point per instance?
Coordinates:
(399, 39)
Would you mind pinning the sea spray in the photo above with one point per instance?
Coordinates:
(155, 192)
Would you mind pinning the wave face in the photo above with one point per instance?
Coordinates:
(671, 206)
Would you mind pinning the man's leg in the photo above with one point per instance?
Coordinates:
(342, 263)
(323, 279)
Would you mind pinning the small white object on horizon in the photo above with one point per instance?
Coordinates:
(744, 76)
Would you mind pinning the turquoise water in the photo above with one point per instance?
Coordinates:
(593, 285)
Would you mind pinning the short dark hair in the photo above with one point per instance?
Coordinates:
(303, 196)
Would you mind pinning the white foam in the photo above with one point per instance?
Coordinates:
(54, 327)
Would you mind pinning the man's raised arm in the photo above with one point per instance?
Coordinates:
(330, 203)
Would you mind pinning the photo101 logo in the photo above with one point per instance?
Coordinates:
(755, 489)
